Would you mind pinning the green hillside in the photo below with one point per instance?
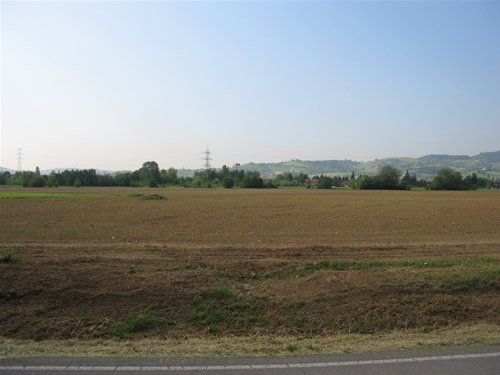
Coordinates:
(486, 164)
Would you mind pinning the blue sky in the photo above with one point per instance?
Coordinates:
(113, 84)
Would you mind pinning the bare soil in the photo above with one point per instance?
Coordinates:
(219, 262)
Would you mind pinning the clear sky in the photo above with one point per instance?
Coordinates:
(110, 85)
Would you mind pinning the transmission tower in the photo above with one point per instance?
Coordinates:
(207, 159)
(19, 155)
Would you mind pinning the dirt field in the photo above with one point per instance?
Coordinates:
(306, 263)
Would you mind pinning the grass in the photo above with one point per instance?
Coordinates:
(206, 314)
(223, 291)
(465, 281)
(257, 345)
(135, 195)
(226, 308)
(190, 265)
(48, 195)
(358, 264)
(140, 322)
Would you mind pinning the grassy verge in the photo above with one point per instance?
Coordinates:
(359, 264)
(47, 195)
(259, 345)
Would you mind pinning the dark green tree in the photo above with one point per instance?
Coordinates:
(325, 182)
(388, 177)
(471, 182)
(447, 179)
(150, 171)
(228, 182)
(252, 180)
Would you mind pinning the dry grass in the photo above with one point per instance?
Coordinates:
(463, 336)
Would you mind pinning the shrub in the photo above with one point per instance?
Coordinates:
(228, 182)
(447, 179)
(155, 197)
(135, 195)
(9, 257)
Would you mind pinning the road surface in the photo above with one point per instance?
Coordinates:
(470, 361)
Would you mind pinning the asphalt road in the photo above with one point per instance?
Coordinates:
(470, 361)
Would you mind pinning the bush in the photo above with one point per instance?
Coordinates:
(228, 182)
(37, 181)
(387, 178)
(447, 179)
(154, 197)
(252, 180)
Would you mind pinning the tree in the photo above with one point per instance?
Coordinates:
(252, 180)
(447, 179)
(405, 181)
(52, 181)
(325, 182)
(37, 171)
(388, 177)
(150, 171)
(4, 178)
(37, 181)
(228, 182)
(471, 182)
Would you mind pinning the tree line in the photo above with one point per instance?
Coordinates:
(388, 178)
(150, 175)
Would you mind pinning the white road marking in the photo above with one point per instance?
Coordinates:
(246, 367)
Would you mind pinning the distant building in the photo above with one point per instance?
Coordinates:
(313, 182)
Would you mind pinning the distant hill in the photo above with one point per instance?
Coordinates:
(485, 164)
(59, 170)
(11, 171)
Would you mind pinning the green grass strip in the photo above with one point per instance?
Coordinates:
(46, 195)
(341, 265)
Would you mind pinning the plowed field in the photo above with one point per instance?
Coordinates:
(246, 262)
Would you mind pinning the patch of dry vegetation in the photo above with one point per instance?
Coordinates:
(259, 345)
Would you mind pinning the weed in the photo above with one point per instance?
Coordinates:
(10, 257)
(135, 195)
(215, 270)
(190, 265)
(492, 277)
(223, 291)
(205, 314)
(292, 348)
(137, 323)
